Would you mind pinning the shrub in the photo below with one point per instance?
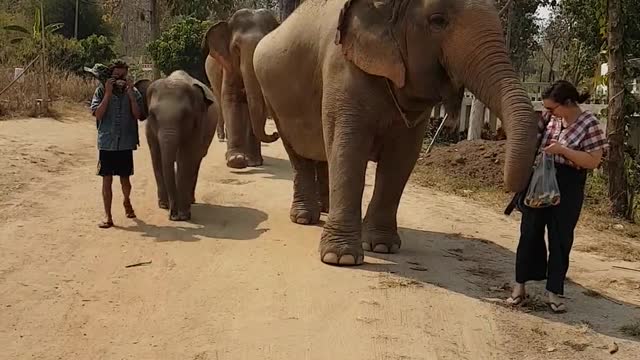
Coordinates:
(68, 54)
(180, 48)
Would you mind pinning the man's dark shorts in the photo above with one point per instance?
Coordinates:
(115, 163)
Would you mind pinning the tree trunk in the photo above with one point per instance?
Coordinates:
(476, 120)
(287, 7)
(618, 187)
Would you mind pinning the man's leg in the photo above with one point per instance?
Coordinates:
(125, 181)
(125, 170)
(107, 197)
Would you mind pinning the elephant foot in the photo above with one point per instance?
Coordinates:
(255, 162)
(324, 206)
(163, 204)
(340, 250)
(237, 161)
(380, 241)
(180, 216)
(304, 215)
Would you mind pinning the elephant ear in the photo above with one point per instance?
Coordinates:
(217, 41)
(143, 87)
(207, 94)
(365, 33)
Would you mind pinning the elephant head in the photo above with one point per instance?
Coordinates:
(232, 44)
(433, 49)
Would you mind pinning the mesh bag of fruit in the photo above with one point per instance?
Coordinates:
(543, 189)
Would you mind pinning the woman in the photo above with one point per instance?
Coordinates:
(575, 140)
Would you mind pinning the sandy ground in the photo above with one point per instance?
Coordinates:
(240, 281)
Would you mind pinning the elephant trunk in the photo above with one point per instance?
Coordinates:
(255, 99)
(168, 139)
(478, 59)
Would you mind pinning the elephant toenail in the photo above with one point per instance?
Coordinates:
(394, 248)
(330, 258)
(366, 246)
(381, 248)
(347, 260)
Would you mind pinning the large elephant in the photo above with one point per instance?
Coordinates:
(352, 81)
(229, 66)
(182, 115)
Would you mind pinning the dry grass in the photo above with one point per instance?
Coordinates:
(20, 99)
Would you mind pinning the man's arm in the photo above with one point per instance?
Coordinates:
(101, 109)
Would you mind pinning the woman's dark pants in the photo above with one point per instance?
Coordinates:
(560, 221)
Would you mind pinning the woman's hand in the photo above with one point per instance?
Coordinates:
(555, 148)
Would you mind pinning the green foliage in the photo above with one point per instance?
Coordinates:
(97, 49)
(67, 54)
(90, 15)
(180, 47)
(524, 30)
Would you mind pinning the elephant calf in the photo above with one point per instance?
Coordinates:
(182, 117)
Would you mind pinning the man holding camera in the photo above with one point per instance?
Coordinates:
(117, 106)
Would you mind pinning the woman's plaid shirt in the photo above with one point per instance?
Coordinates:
(584, 134)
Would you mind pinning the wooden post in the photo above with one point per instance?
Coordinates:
(44, 89)
(476, 120)
(155, 32)
(76, 27)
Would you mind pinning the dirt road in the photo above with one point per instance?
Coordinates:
(240, 281)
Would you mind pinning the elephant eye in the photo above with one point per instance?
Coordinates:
(438, 21)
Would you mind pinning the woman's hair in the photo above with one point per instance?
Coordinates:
(564, 93)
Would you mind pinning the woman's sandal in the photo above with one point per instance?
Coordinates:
(557, 308)
(105, 224)
(518, 300)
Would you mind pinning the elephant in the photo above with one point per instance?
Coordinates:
(354, 81)
(182, 116)
(229, 66)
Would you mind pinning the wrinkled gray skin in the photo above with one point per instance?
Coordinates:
(330, 73)
(229, 66)
(181, 117)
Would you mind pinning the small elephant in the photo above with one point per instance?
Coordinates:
(353, 81)
(182, 115)
(229, 67)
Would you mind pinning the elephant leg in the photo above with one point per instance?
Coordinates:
(348, 146)
(254, 149)
(156, 161)
(194, 180)
(220, 129)
(322, 182)
(398, 156)
(305, 209)
(185, 173)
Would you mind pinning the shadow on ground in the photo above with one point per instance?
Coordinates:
(482, 270)
(208, 221)
(277, 169)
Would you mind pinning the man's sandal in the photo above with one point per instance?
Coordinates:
(128, 209)
(105, 224)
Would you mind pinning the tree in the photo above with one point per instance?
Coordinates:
(616, 123)
(179, 47)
